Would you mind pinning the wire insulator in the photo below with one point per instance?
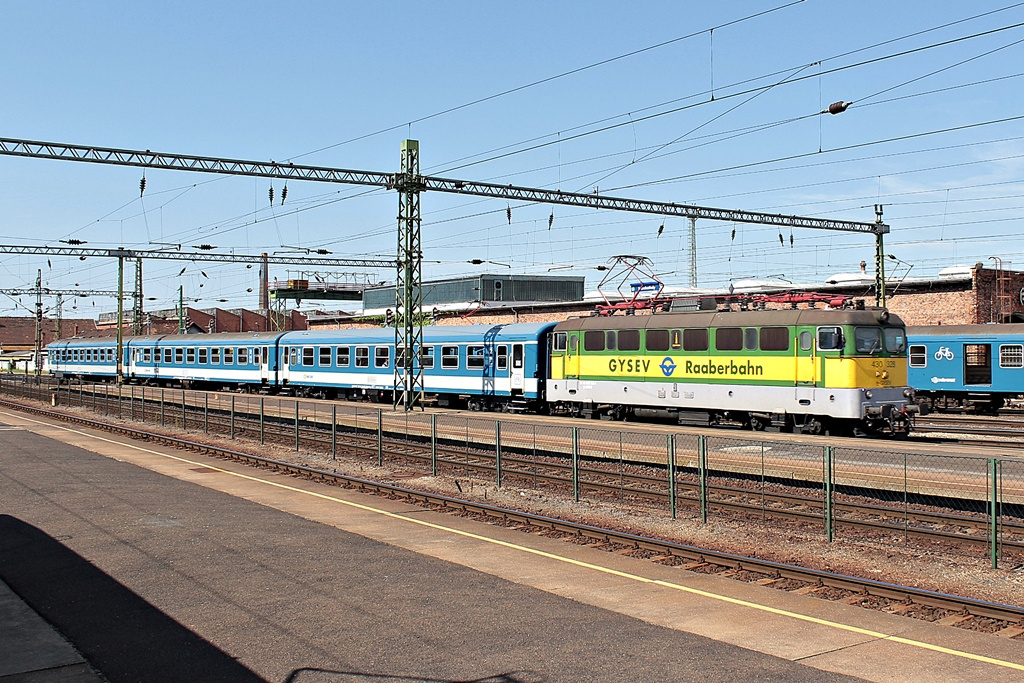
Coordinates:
(508, 212)
(551, 219)
(271, 194)
(838, 107)
(142, 186)
(284, 193)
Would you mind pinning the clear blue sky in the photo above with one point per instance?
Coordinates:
(272, 80)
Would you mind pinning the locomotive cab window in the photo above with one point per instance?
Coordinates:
(558, 342)
(918, 356)
(805, 340)
(774, 339)
(629, 340)
(593, 340)
(609, 340)
(895, 339)
(574, 343)
(830, 339)
(867, 339)
(657, 340)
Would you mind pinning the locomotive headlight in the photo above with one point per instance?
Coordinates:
(868, 394)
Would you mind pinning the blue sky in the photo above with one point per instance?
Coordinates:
(934, 133)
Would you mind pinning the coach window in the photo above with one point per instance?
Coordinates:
(307, 355)
(750, 339)
(629, 340)
(830, 339)
(918, 356)
(381, 355)
(774, 339)
(229, 355)
(558, 343)
(657, 340)
(179, 355)
(503, 356)
(362, 356)
(243, 355)
(1011, 356)
(190, 356)
(867, 339)
(474, 357)
(593, 340)
(215, 355)
(427, 357)
(343, 356)
(204, 355)
(294, 358)
(325, 356)
(168, 356)
(449, 357)
(895, 339)
(729, 339)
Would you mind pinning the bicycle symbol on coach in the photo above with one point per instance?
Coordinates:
(944, 353)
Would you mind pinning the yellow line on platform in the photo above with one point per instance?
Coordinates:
(567, 560)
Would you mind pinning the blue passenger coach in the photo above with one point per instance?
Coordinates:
(481, 366)
(247, 360)
(957, 367)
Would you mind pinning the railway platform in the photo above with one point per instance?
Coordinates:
(162, 565)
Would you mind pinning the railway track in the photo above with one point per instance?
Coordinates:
(945, 608)
(858, 509)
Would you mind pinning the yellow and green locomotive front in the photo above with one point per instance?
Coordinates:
(839, 364)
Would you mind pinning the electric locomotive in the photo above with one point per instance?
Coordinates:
(813, 370)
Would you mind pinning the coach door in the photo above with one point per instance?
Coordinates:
(977, 364)
(572, 362)
(264, 359)
(516, 371)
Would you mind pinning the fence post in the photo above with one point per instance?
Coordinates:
(206, 413)
(81, 396)
(131, 405)
(231, 420)
(142, 400)
(261, 420)
(993, 511)
(672, 475)
(380, 437)
(827, 476)
(576, 464)
(184, 424)
(433, 444)
(162, 406)
(296, 425)
(702, 476)
(497, 451)
(334, 431)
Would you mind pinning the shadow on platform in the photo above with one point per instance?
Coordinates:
(121, 635)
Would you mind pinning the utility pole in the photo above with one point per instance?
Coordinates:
(408, 316)
(137, 312)
(39, 325)
(120, 318)
(879, 259)
(181, 309)
(693, 252)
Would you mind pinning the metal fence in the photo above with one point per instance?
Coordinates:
(975, 504)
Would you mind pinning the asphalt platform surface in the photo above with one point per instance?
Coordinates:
(151, 578)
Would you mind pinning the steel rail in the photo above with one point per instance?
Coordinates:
(866, 587)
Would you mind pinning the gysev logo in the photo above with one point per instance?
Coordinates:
(667, 366)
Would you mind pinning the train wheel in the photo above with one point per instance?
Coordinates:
(758, 424)
(618, 413)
